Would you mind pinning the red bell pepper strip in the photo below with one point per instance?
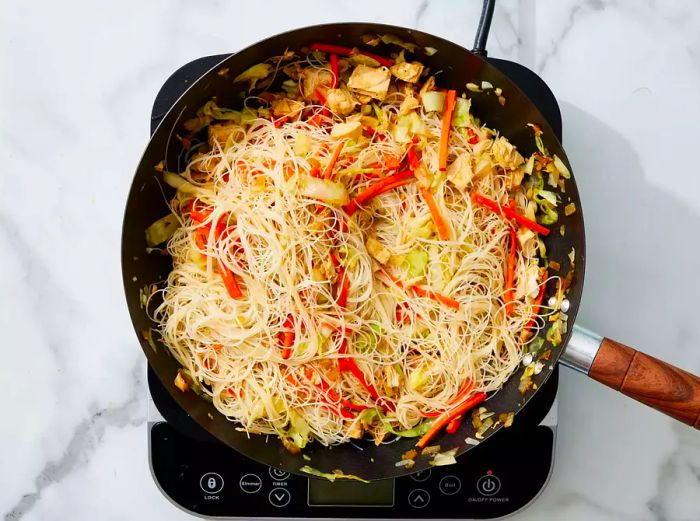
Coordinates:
(286, 338)
(440, 223)
(335, 71)
(347, 363)
(323, 386)
(375, 189)
(280, 121)
(448, 416)
(229, 281)
(454, 425)
(412, 157)
(348, 51)
(343, 287)
(450, 102)
(473, 138)
(509, 213)
(510, 272)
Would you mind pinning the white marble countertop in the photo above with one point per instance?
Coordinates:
(78, 79)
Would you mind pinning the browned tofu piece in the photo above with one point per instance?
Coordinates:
(340, 101)
(285, 106)
(312, 79)
(370, 81)
(407, 71)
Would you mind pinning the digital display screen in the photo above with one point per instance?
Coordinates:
(324, 493)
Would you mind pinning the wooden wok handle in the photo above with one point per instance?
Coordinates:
(648, 380)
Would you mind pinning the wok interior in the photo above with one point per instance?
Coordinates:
(146, 204)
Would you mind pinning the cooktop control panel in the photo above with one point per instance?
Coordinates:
(490, 482)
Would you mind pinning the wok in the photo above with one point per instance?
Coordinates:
(642, 377)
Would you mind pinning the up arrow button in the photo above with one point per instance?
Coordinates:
(418, 498)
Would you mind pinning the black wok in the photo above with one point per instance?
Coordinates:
(671, 390)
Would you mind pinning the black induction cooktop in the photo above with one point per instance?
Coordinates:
(206, 478)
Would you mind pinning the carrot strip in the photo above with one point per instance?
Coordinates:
(438, 297)
(335, 70)
(391, 162)
(375, 189)
(423, 292)
(328, 172)
(450, 102)
(442, 228)
(448, 416)
(510, 272)
(462, 393)
(347, 51)
(509, 213)
(229, 279)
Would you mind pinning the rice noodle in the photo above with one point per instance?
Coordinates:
(278, 247)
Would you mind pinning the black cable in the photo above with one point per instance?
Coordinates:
(482, 31)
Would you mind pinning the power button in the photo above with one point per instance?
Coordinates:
(488, 485)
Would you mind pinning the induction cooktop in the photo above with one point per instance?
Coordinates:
(209, 479)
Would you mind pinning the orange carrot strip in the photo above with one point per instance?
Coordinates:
(448, 416)
(375, 189)
(450, 102)
(229, 281)
(328, 172)
(509, 213)
(442, 228)
(438, 297)
(462, 393)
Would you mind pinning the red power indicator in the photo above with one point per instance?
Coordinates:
(489, 472)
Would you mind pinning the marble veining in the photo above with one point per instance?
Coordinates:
(77, 86)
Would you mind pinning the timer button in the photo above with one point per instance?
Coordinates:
(250, 483)
(279, 497)
(279, 475)
(488, 485)
(418, 498)
(211, 483)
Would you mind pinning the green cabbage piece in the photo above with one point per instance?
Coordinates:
(298, 429)
(370, 415)
(417, 261)
(161, 230)
(255, 73)
(461, 117)
(433, 101)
